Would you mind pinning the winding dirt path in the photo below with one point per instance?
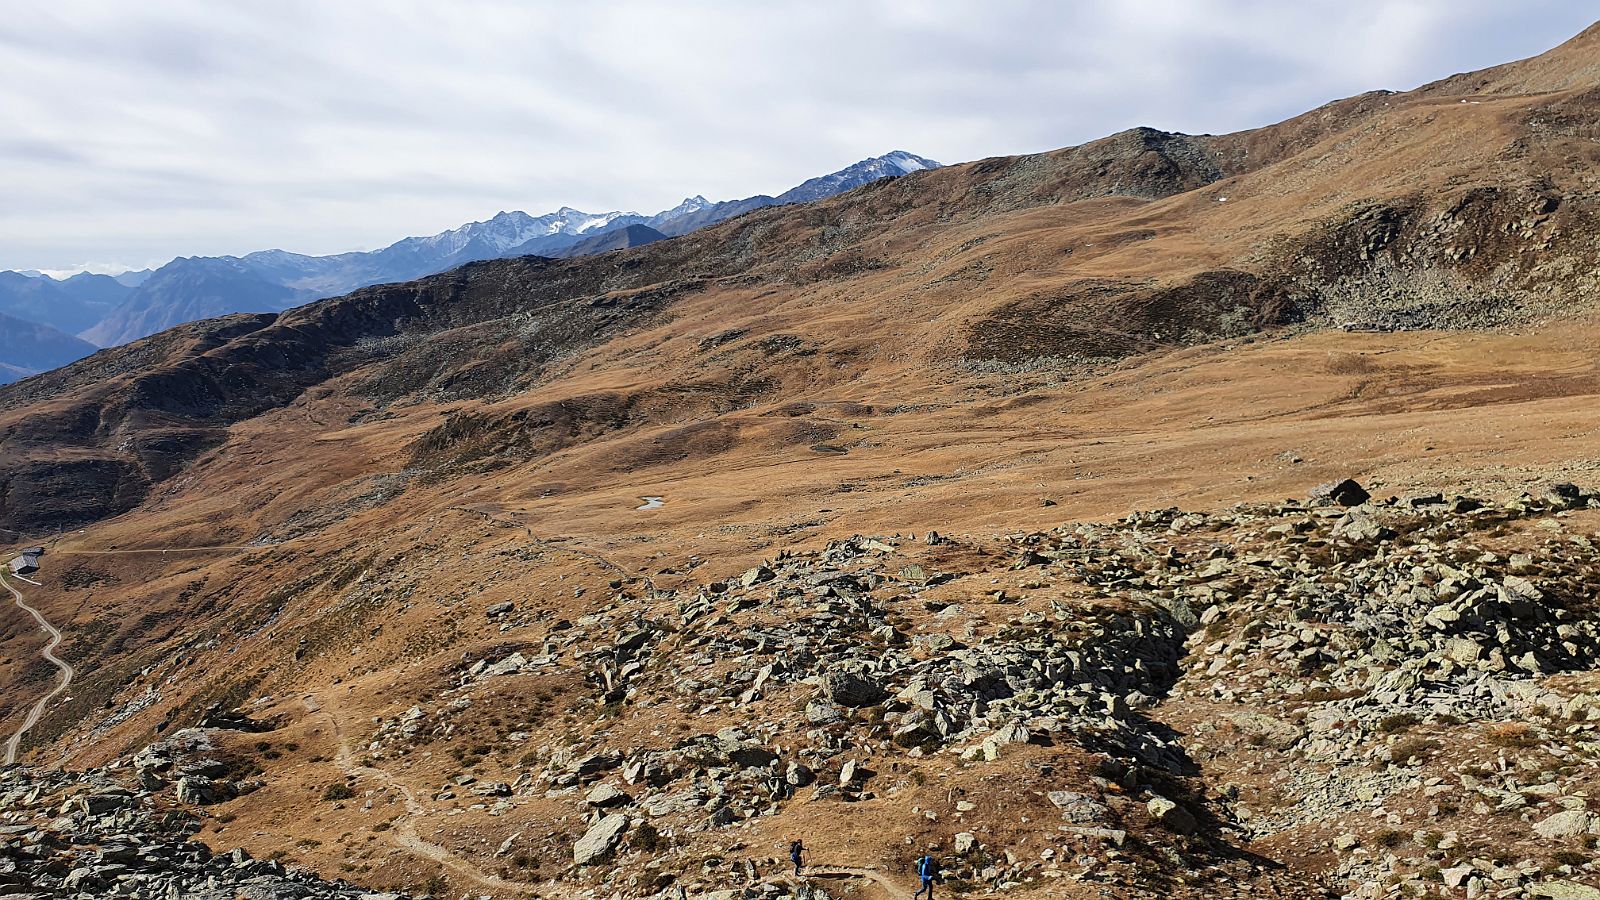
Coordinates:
(872, 875)
(403, 830)
(590, 555)
(61, 552)
(49, 653)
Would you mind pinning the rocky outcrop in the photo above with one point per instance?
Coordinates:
(85, 835)
(1341, 673)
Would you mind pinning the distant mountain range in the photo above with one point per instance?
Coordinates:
(37, 312)
(28, 347)
(613, 239)
(73, 305)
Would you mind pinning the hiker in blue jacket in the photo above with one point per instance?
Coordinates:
(928, 870)
(796, 849)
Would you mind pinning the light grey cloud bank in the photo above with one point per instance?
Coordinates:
(133, 132)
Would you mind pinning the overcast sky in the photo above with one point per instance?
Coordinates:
(134, 132)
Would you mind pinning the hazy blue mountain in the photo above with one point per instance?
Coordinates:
(189, 288)
(133, 279)
(27, 348)
(635, 235)
(100, 290)
(506, 234)
(898, 162)
(698, 213)
(269, 280)
(44, 301)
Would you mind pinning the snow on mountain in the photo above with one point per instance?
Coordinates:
(510, 229)
(689, 205)
(575, 222)
(908, 162)
(697, 212)
(505, 229)
(899, 162)
(189, 288)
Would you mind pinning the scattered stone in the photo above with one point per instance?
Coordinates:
(1172, 815)
(604, 795)
(83, 834)
(852, 689)
(1343, 493)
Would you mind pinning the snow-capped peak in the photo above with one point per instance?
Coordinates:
(689, 206)
(572, 221)
(907, 162)
(509, 229)
(897, 162)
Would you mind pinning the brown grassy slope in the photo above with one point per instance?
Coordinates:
(812, 327)
(941, 351)
(1428, 208)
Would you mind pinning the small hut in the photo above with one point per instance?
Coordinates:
(27, 561)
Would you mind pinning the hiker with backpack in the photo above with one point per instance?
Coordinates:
(796, 850)
(928, 871)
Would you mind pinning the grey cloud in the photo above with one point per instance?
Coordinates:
(185, 126)
(23, 149)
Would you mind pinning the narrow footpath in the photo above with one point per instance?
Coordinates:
(49, 654)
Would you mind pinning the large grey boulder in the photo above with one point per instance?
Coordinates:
(1079, 809)
(799, 774)
(1172, 815)
(1568, 823)
(199, 790)
(600, 840)
(1344, 493)
(821, 712)
(1359, 525)
(852, 689)
(1565, 890)
(605, 795)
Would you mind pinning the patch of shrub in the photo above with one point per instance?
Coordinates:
(1396, 723)
(1330, 694)
(1389, 838)
(1416, 748)
(1569, 858)
(645, 838)
(1516, 735)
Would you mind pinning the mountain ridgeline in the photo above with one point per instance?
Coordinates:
(108, 312)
